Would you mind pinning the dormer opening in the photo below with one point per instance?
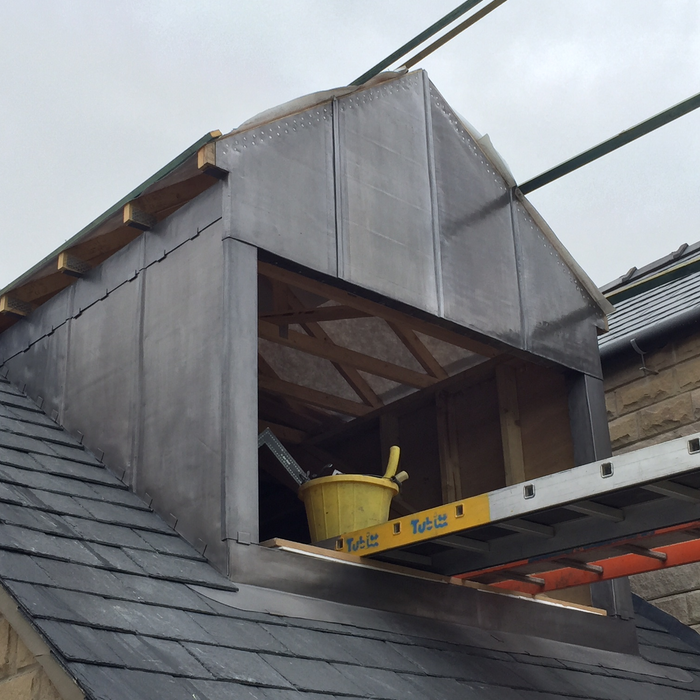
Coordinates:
(342, 377)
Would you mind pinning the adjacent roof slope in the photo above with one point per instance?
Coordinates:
(110, 587)
(656, 299)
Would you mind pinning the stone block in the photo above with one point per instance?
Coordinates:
(693, 602)
(687, 348)
(666, 416)
(610, 405)
(676, 605)
(646, 391)
(688, 374)
(44, 689)
(18, 687)
(23, 656)
(623, 431)
(665, 582)
(5, 648)
(621, 371)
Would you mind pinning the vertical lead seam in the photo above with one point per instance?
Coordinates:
(138, 386)
(337, 192)
(524, 333)
(432, 180)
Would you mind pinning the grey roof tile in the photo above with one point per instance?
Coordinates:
(380, 683)
(239, 634)
(32, 541)
(39, 479)
(113, 513)
(230, 690)
(34, 416)
(15, 566)
(670, 657)
(89, 473)
(170, 544)
(116, 558)
(179, 569)
(104, 683)
(237, 665)
(460, 665)
(309, 674)
(18, 458)
(298, 641)
(51, 433)
(106, 533)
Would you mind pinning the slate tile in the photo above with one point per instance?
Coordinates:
(434, 687)
(460, 666)
(375, 653)
(44, 481)
(380, 683)
(77, 577)
(239, 634)
(80, 643)
(664, 640)
(178, 569)
(120, 496)
(236, 665)
(170, 544)
(51, 433)
(34, 519)
(114, 558)
(13, 495)
(32, 541)
(22, 567)
(118, 514)
(42, 601)
(77, 454)
(16, 401)
(96, 473)
(105, 533)
(60, 503)
(230, 690)
(18, 459)
(668, 657)
(34, 417)
(123, 684)
(310, 643)
(26, 444)
(309, 674)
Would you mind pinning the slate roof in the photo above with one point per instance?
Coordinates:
(110, 587)
(656, 298)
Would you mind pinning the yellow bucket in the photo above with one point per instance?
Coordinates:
(348, 502)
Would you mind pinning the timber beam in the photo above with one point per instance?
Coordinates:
(372, 308)
(13, 306)
(71, 265)
(336, 353)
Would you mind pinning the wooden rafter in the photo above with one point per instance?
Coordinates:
(312, 396)
(416, 347)
(356, 381)
(345, 356)
(321, 313)
(372, 308)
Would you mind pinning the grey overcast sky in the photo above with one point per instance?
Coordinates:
(96, 96)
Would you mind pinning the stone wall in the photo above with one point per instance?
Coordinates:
(21, 676)
(648, 407)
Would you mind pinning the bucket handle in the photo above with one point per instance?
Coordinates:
(393, 464)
